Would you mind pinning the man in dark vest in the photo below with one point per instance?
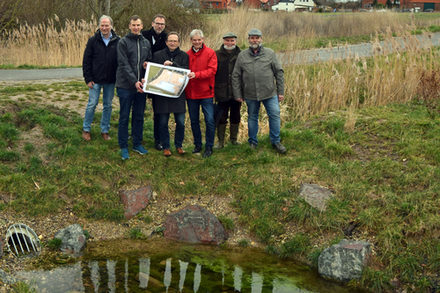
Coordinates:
(157, 37)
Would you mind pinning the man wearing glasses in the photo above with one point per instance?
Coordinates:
(157, 37)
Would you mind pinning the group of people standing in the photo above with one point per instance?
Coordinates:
(219, 82)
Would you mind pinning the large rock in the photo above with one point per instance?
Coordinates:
(344, 261)
(1, 247)
(315, 195)
(72, 238)
(135, 200)
(194, 224)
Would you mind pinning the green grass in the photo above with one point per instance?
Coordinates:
(385, 176)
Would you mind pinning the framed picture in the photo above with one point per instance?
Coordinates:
(167, 81)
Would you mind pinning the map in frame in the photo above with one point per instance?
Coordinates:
(167, 81)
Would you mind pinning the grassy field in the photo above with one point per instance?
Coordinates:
(384, 174)
(368, 129)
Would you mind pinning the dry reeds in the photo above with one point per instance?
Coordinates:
(353, 83)
(298, 28)
(51, 44)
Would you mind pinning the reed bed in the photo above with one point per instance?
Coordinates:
(310, 89)
(51, 44)
(297, 29)
(358, 82)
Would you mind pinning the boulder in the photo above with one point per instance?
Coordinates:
(1, 247)
(194, 224)
(315, 195)
(73, 239)
(135, 201)
(344, 261)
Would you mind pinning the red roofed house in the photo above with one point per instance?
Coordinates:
(214, 4)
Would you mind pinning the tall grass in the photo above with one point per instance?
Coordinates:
(353, 83)
(294, 31)
(51, 44)
(57, 43)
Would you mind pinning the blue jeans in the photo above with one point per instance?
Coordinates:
(107, 99)
(194, 115)
(164, 133)
(131, 100)
(273, 111)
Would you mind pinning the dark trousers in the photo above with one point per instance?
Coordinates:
(134, 102)
(227, 109)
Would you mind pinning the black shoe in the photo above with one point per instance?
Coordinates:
(197, 149)
(279, 147)
(253, 146)
(207, 153)
(158, 146)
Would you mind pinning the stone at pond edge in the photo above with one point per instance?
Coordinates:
(72, 238)
(135, 200)
(315, 195)
(194, 224)
(344, 261)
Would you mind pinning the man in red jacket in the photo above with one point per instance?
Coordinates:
(200, 91)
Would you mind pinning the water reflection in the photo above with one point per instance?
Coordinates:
(188, 271)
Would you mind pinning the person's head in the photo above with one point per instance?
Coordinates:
(135, 25)
(158, 23)
(173, 41)
(229, 41)
(255, 38)
(105, 25)
(197, 38)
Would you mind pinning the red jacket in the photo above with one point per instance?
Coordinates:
(204, 64)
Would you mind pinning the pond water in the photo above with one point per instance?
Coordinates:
(158, 266)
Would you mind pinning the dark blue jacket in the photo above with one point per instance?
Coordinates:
(100, 61)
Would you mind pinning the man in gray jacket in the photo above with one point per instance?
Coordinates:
(133, 53)
(259, 78)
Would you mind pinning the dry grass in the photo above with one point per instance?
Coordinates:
(310, 89)
(51, 44)
(298, 28)
(353, 83)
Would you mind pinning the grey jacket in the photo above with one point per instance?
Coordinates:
(257, 77)
(132, 50)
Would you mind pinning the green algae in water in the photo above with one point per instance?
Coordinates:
(163, 266)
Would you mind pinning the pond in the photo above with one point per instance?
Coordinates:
(162, 266)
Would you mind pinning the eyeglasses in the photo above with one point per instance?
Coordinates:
(159, 23)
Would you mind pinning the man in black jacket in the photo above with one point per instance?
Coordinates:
(157, 36)
(226, 105)
(163, 106)
(99, 71)
(133, 53)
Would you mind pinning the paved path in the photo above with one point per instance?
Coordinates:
(40, 74)
(297, 57)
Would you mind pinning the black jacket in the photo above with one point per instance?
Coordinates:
(133, 51)
(164, 104)
(159, 39)
(100, 61)
(223, 77)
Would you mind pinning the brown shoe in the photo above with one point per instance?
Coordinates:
(180, 151)
(86, 136)
(166, 152)
(105, 136)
